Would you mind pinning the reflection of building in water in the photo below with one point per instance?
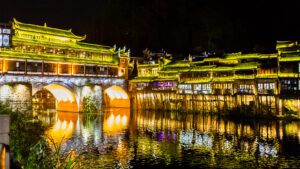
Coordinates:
(213, 133)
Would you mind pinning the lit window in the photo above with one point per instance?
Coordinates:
(143, 71)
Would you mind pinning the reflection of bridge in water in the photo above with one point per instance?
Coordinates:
(67, 125)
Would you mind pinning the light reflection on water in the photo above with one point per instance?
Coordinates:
(165, 139)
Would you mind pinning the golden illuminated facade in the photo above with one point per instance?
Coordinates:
(249, 74)
(46, 51)
(34, 58)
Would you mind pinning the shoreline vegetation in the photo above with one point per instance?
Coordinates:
(30, 147)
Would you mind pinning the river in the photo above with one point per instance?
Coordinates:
(135, 138)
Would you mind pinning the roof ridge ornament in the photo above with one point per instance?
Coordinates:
(45, 24)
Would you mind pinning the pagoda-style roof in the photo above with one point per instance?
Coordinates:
(222, 69)
(142, 79)
(174, 69)
(250, 56)
(289, 57)
(74, 46)
(179, 64)
(285, 44)
(46, 30)
(203, 68)
(213, 59)
(153, 79)
(165, 79)
(247, 66)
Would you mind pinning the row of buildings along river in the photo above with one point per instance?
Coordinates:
(264, 82)
(38, 56)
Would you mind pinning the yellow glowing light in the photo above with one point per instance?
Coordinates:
(2, 158)
(5, 90)
(124, 120)
(63, 128)
(121, 72)
(86, 90)
(4, 66)
(116, 92)
(63, 39)
(110, 120)
(57, 125)
(118, 119)
(61, 93)
(70, 125)
(64, 125)
(20, 88)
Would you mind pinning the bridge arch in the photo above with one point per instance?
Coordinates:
(66, 99)
(116, 96)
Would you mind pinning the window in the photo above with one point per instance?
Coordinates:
(154, 71)
(143, 72)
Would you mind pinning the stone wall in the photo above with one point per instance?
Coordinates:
(18, 95)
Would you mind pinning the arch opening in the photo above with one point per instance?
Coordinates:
(115, 96)
(65, 98)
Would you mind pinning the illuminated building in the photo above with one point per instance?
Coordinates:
(261, 81)
(45, 58)
(42, 50)
(237, 73)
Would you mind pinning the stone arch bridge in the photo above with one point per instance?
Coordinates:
(69, 92)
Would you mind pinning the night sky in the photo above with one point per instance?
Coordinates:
(177, 26)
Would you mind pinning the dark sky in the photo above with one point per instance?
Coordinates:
(178, 26)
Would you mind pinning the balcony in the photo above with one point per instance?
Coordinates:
(267, 76)
(223, 79)
(196, 80)
(293, 75)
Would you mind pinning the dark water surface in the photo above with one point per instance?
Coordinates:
(119, 138)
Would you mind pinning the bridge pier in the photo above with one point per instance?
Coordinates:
(18, 95)
(68, 91)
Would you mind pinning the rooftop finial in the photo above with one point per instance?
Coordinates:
(45, 24)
